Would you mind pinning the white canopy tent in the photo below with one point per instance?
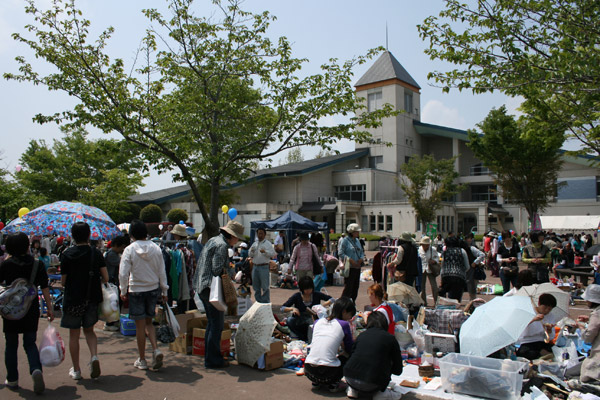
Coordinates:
(570, 223)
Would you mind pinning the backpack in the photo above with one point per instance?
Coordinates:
(16, 299)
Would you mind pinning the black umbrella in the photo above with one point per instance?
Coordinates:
(594, 250)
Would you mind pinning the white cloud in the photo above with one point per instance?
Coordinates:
(436, 112)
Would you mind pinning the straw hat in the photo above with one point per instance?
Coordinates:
(425, 240)
(179, 230)
(234, 228)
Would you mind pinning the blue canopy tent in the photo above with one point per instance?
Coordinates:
(291, 223)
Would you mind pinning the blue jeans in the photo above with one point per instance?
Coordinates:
(507, 280)
(10, 354)
(213, 357)
(260, 283)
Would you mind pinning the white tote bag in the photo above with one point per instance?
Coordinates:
(172, 321)
(216, 294)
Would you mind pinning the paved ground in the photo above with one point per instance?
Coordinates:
(183, 377)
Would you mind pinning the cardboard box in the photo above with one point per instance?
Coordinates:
(187, 322)
(182, 344)
(274, 357)
(199, 341)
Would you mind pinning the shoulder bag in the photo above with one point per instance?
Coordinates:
(436, 268)
(16, 298)
(229, 293)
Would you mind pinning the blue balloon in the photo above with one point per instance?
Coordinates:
(181, 222)
(232, 213)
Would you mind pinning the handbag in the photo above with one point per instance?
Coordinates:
(229, 293)
(347, 266)
(317, 268)
(16, 298)
(216, 298)
(479, 273)
(78, 310)
(165, 333)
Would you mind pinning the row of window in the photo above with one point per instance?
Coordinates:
(351, 192)
(378, 223)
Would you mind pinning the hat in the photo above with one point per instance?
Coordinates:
(234, 228)
(303, 235)
(492, 234)
(407, 237)
(353, 228)
(425, 240)
(179, 230)
(592, 294)
(244, 245)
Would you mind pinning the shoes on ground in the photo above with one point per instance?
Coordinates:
(351, 393)
(140, 364)
(75, 374)
(94, 367)
(157, 359)
(111, 328)
(11, 385)
(38, 381)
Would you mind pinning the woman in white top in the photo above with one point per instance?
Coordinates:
(324, 366)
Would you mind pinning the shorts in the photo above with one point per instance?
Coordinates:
(88, 319)
(142, 305)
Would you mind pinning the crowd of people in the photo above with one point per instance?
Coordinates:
(136, 265)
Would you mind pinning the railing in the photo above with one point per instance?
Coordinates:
(478, 170)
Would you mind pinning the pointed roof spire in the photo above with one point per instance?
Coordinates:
(385, 68)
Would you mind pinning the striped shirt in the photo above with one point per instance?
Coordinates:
(213, 261)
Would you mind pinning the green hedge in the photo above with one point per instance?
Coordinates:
(151, 213)
(176, 215)
(336, 236)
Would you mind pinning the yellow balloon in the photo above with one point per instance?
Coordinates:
(224, 209)
(23, 211)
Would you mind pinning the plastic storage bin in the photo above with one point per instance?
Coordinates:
(127, 326)
(482, 377)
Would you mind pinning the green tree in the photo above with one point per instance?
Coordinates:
(324, 153)
(101, 173)
(12, 197)
(293, 156)
(177, 214)
(151, 213)
(545, 51)
(212, 96)
(524, 163)
(427, 182)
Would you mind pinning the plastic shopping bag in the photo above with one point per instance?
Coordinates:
(109, 308)
(216, 294)
(52, 348)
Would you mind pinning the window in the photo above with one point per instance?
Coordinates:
(372, 223)
(439, 223)
(483, 193)
(443, 225)
(479, 169)
(406, 159)
(451, 224)
(374, 101)
(418, 225)
(388, 223)
(365, 221)
(351, 192)
(509, 219)
(373, 161)
(408, 102)
(380, 222)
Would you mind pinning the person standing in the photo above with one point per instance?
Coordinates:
(20, 264)
(261, 252)
(143, 280)
(508, 254)
(454, 270)
(82, 268)
(431, 268)
(476, 259)
(279, 245)
(214, 261)
(302, 257)
(406, 258)
(351, 249)
(537, 256)
(112, 258)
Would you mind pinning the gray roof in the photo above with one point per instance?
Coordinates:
(386, 67)
(300, 168)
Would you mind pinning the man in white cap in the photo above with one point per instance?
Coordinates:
(431, 268)
(261, 252)
(214, 260)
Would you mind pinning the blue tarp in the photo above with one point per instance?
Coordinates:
(291, 223)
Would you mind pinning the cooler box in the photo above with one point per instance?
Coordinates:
(127, 326)
(482, 377)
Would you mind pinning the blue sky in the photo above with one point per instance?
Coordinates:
(317, 29)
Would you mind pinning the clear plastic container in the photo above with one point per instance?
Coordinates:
(482, 377)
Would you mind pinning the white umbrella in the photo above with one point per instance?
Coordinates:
(562, 298)
(253, 337)
(495, 325)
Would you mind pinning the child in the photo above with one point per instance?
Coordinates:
(44, 258)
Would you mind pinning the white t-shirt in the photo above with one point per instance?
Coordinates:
(535, 330)
(326, 340)
(278, 240)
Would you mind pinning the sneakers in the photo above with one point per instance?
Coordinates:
(94, 367)
(38, 382)
(140, 364)
(110, 328)
(157, 359)
(76, 375)
(351, 393)
(11, 385)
